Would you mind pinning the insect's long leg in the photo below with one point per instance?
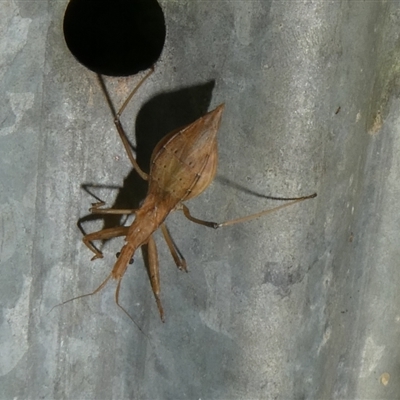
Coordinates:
(216, 225)
(261, 213)
(154, 273)
(128, 150)
(176, 254)
(103, 235)
(118, 124)
(186, 211)
(95, 209)
(126, 102)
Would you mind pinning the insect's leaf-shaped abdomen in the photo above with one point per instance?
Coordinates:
(180, 162)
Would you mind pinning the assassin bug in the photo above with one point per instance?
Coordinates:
(182, 166)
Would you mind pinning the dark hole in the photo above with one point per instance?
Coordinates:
(115, 37)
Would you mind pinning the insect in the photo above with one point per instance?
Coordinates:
(182, 166)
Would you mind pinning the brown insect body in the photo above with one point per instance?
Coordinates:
(183, 164)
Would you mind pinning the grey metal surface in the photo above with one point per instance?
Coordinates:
(302, 304)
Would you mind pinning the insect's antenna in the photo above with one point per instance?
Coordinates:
(83, 295)
(123, 309)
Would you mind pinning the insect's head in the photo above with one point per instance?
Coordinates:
(130, 261)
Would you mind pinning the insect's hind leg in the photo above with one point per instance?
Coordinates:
(216, 225)
(104, 234)
(118, 124)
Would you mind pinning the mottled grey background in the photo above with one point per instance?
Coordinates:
(302, 304)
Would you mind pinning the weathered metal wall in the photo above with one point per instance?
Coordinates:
(300, 304)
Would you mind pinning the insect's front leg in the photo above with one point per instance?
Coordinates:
(104, 234)
(95, 209)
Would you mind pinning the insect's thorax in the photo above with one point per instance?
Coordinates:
(148, 218)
